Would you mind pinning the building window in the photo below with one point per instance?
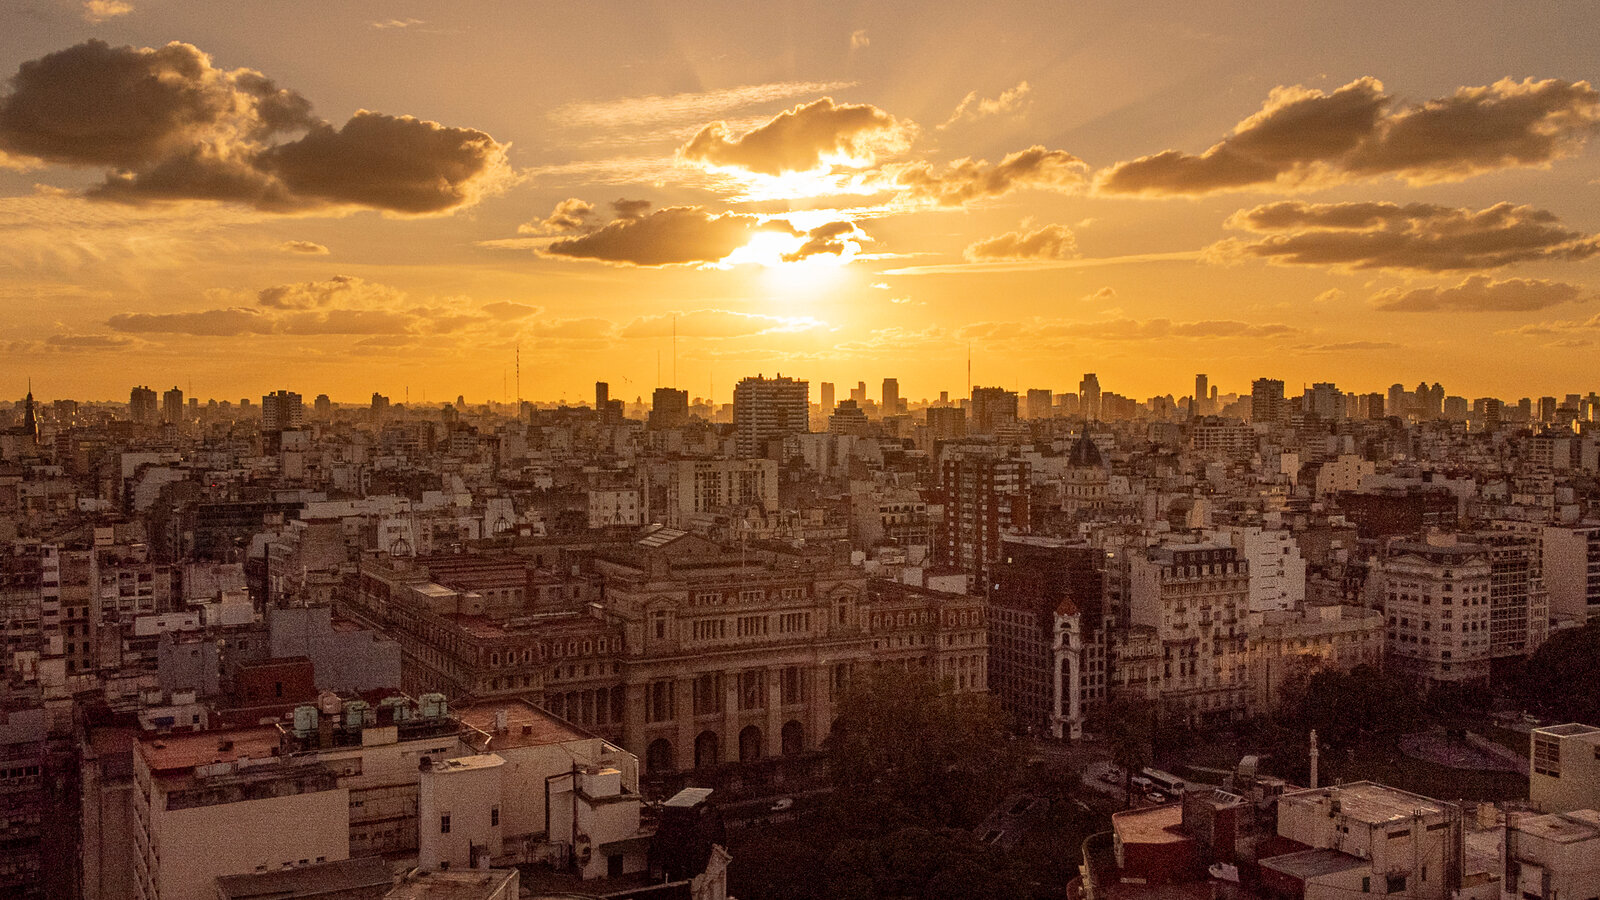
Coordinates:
(494, 817)
(1396, 885)
(1547, 756)
(752, 689)
(658, 625)
(444, 824)
(658, 702)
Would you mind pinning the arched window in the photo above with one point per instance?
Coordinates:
(750, 743)
(707, 750)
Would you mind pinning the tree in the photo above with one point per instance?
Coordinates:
(1557, 679)
(907, 750)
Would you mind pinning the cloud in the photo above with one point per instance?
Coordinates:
(859, 39)
(89, 342)
(505, 309)
(1348, 347)
(97, 11)
(211, 322)
(569, 215)
(678, 235)
(649, 112)
(965, 180)
(1049, 242)
(396, 23)
(1480, 294)
(828, 238)
(1331, 295)
(623, 208)
(1138, 330)
(309, 248)
(1104, 295)
(340, 290)
(1417, 236)
(171, 126)
(972, 107)
(817, 135)
(1303, 137)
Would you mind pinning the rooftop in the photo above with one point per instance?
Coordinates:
(1152, 825)
(1563, 828)
(1572, 729)
(345, 879)
(1366, 801)
(178, 752)
(526, 725)
(453, 884)
(1309, 864)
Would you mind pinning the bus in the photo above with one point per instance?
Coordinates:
(1166, 782)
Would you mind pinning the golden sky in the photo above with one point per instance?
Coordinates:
(394, 196)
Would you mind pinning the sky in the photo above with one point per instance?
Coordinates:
(406, 197)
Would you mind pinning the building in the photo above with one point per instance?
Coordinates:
(1040, 403)
(1191, 600)
(1552, 856)
(1367, 838)
(142, 405)
(946, 423)
(848, 418)
(172, 406)
(769, 408)
(992, 407)
(891, 398)
(1200, 404)
(1571, 566)
(1564, 768)
(675, 492)
(1267, 402)
(985, 496)
(669, 408)
(1287, 647)
(281, 411)
(1047, 634)
(1089, 397)
(1436, 598)
(1277, 570)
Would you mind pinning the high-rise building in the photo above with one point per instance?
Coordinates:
(172, 405)
(985, 497)
(1437, 600)
(281, 411)
(323, 406)
(602, 394)
(1266, 400)
(1039, 403)
(826, 400)
(859, 393)
(767, 408)
(1202, 396)
(1325, 401)
(669, 408)
(1089, 396)
(891, 396)
(991, 408)
(848, 418)
(946, 423)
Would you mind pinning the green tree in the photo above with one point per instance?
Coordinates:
(908, 750)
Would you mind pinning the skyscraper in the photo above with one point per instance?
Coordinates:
(767, 408)
(1089, 396)
(1266, 400)
(281, 411)
(1202, 396)
(1040, 405)
(827, 400)
(891, 396)
(172, 405)
(142, 405)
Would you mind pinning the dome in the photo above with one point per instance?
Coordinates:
(1086, 454)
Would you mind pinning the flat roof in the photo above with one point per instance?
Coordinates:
(1369, 802)
(468, 763)
(1309, 864)
(348, 879)
(451, 884)
(1153, 825)
(1563, 828)
(526, 725)
(1572, 729)
(179, 751)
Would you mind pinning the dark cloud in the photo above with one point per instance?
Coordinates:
(1418, 236)
(171, 126)
(804, 138)
(88, 342)
(677, 235)
(568, 216)
(623, 208)
(1303, 137)
(211, 322)
(341, 290)
(1480, 294)
(828, 238)
(1049, 242)
(965, 180)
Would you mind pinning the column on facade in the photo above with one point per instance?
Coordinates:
(731, 686)
(683, 697)
(772, 740)
(633, 737)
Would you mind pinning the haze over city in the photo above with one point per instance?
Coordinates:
(400, 196)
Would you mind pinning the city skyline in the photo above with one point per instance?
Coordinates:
(414, 198)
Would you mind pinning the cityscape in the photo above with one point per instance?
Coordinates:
(640, 451)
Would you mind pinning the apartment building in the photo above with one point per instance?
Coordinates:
(1436, 599)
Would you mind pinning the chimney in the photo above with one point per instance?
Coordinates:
(1313, 758)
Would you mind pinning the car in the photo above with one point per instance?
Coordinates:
(1156, 797)
(1143, 783)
